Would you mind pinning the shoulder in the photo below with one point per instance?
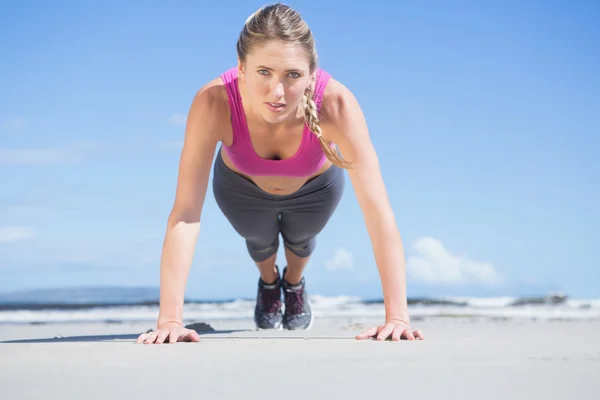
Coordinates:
(339, 108)
(335, 99)
(210, 106)
(211, 99)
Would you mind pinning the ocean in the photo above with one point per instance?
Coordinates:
(120, 305)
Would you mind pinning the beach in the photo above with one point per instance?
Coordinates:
(461, 358)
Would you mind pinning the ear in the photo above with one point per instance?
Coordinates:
(313, 81)
(241, 74)
(313, 77)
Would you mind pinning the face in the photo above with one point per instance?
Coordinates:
(276, 76)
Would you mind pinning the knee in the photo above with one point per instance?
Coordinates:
(303, 248)
(261, 250)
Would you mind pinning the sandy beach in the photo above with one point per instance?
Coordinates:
(460, 359)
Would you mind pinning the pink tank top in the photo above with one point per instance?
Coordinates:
(308, 159)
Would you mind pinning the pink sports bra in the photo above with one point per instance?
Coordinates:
(308, 159)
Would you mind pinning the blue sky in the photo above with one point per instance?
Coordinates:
(485, 116)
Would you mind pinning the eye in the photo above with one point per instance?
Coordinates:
(294, 75)
(263, 72)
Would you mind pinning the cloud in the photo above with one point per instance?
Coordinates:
(75, 251)
(109, 253)
(342, 259)
(9, 234)
(50, 156)
(79, 251)
(433, 263)
(15, 124)
(178, 119)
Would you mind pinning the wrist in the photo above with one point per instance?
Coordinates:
(162, 323)
(398, 320)
(163, 318)
(399, 314)
(397, 310)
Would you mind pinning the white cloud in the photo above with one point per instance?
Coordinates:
(50, 156)
(178, 119)
(14, 125)
(125, 253)
(80, 251)
(75, 250)
(9, 234)
(342, 259)
(433, 263)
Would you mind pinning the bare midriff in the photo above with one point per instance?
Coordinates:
(276, 185)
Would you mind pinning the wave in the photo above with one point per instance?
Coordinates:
(135, 309)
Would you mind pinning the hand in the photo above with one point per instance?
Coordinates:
(397, 329)
(174, 331)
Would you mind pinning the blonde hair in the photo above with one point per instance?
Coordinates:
(281, 22)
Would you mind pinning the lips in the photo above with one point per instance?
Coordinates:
(276, 106)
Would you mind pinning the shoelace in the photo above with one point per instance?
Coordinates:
(294, 301)
(271, 300)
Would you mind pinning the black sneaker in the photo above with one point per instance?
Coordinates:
(267, 313)
(298, 313)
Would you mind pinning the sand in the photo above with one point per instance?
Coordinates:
(460, 359)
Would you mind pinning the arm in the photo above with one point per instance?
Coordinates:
(347, 127)
(183, 225)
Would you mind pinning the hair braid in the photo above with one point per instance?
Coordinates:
(311, 117)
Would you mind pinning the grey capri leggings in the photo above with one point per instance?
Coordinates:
(259, 217)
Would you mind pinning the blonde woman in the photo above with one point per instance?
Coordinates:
(278, 118)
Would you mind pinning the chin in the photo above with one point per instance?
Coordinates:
(274, 118)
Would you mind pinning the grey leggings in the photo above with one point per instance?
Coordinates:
(259, 217)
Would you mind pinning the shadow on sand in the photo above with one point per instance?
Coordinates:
(201, 328)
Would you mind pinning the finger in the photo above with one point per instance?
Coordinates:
(369, 333)
(408, 335)
(141, 338)
(162, 334)
(192, 336)
(173, 337)
(385, 332)
(151, 337)
(419, 335)
(397, 333)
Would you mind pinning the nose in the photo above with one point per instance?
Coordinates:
(277, 89)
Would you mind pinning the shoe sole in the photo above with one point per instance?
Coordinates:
(310, 324)
(258, 328)
(279, 328)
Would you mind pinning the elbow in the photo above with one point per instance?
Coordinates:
(183, 216)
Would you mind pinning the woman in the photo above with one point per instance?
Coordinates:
(278, 118)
